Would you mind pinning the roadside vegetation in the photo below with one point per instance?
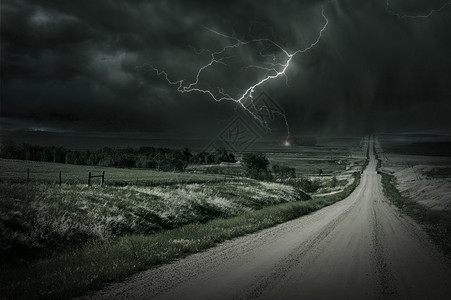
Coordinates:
(436, 222)
(15, 171)
(75, 272)
(42, 220)
(60, 240)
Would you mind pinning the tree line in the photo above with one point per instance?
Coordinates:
(162, 159)
(256, 166)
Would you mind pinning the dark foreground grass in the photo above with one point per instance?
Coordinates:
(74, 273)
(442, 172)
(436, 223)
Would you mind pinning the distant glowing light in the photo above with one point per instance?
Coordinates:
(287, 143)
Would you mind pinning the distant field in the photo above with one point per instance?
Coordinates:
(16, 171)
(421, 165)
(439, 173)
(427, 145)
(141, 218)
(332, 156)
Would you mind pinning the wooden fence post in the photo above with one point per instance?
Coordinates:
(60, 178)
(28, 175)
(102, 178)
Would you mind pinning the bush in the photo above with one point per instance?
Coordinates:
(307, 185)
(283, 173)
(256, 166)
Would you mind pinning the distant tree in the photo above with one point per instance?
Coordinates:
(307, 185)
(11, 150)
(59, 154)
(30, 152)
(147, 150)
(256, 166)
(106, 161)
(283, 173)
(186, 155)
(231, 158)
(93, 159)
(47, 154)
(209, 159)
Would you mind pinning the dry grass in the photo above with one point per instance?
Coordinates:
(40, 220)
(75, 272)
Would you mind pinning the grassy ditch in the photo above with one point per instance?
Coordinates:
(436, 223)
(42, 220)
(75, 272)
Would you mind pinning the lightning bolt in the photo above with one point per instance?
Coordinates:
(402, 16)
(274, 69)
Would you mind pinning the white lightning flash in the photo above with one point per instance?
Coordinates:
(403, 16)
(273, 70)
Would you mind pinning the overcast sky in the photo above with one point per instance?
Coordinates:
(84, 66)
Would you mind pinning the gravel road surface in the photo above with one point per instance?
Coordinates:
(359, 248)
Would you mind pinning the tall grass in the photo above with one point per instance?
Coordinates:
(75, 272)
(40, 220)
(437, 223)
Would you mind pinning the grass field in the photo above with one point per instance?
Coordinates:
(75, 272)
(331, 156)
(39, 220)
(405, 155)
(57, 241)
(419, 144)
(437, 223)
(15, 171)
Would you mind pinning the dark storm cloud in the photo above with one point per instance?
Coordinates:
(83, 65)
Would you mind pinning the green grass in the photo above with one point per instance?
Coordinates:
(75, 272)
(437, 223)
(83, 237)
(15, 171)
(332, 156)
(311, 166)
(40, 220)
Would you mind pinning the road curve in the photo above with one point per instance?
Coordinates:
(359, 248)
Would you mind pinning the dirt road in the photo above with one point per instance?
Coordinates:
(359, 248)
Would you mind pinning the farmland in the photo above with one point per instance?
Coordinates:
(44, 219)
(15, 171)
(46, 225)
(421, 166)
(416, 178)
(332, 156)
